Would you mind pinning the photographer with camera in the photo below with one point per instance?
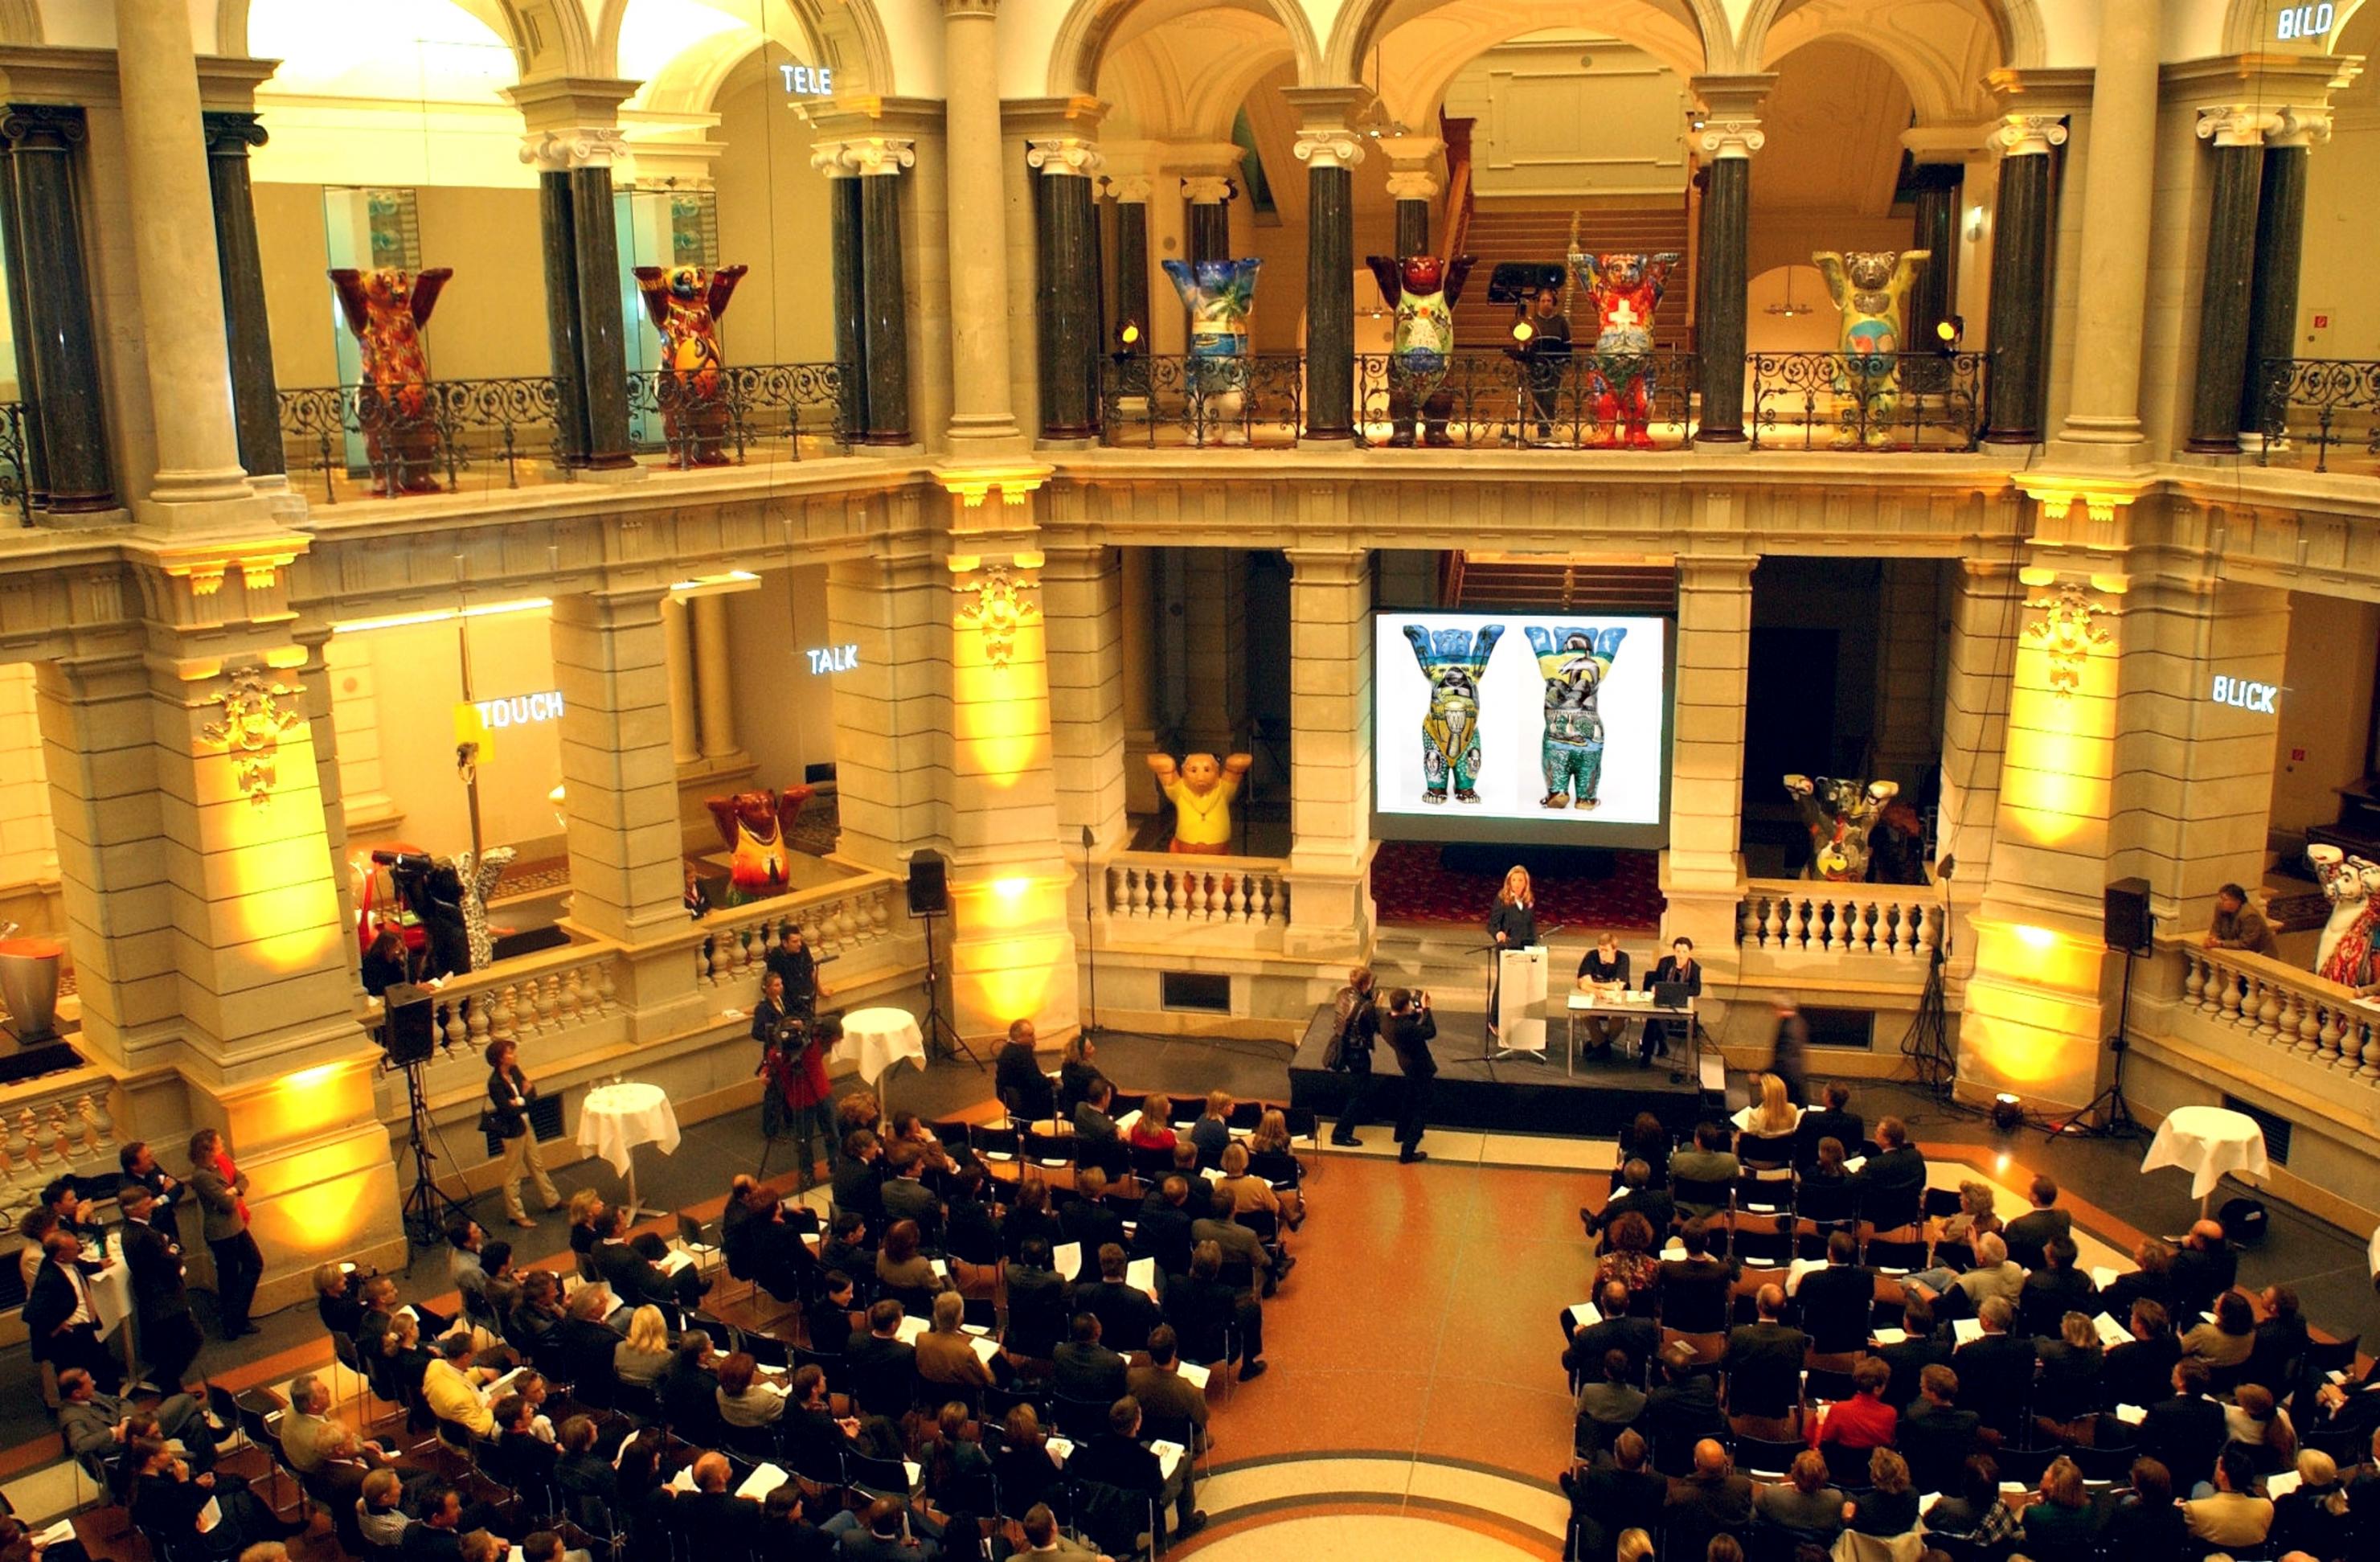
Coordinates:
(1411, 1025)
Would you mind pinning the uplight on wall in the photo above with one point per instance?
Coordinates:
(1975, 224)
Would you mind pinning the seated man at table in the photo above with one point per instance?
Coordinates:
(1606, 965)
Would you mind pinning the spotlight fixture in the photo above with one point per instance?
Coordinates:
(1130, 334)
(1523, 332)
(2007, 1113)
(1946, 332)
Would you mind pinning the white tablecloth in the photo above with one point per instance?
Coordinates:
(2208, 1141)
(883, 1036)
(615, 1120)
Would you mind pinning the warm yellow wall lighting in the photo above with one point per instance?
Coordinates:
(2036, 937)
(441, 616)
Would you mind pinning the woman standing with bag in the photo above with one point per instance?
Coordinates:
(509, 1093)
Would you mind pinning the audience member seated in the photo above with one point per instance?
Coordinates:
(1238, 1242)
(1997, 1369)
(1635, 1195)
(1683, 1412)
(1028, 1218)
(1609, 1404)
(94, 1424)
(379, 1520)
(1696, 1290)
(1026, 1467)
(2028, 1234)
(745, 1398)
(1076, 1073)
(904, 1195)
(2225, 1342)
(901, 1268)
(2151, 1281)
(1617, 1493)
(1975, 1510)
(1271, 1158)
(2066, 1400)
(946, 1355)
(1163, 1229)
(1093, 1124)
(831, 1317)
(1164, 1393)
(1086, 1220)
(1805, 1504)
(1615, 1328)
(1705, 1499)
(2055, 1289)
(1832, 1118)
(1976, 1215)
(170, 1502)
(1936, 1434)
(451, 1385)
(2203, 1268)
(858, 1182)
(1923, 1345)
(710, 1521)
(1835, 1303)
(644, 1355)
(523, 1459)
(2232, 1516)
(1213, 1132)
(2312, 1519)
(1024, 1090)
(2184, 1432)
(1865, 1420)
(971, 1226)
(1125, 1313)
(1086, 1370)
(1709, 1163)
(1037, 1303)
(1893, 1181)
(2059, 1519)
(335, 1299)
(2144, 1523)
(1628, 1260)
(1116, 1458)
(881, 1364)
(690, 1389)
(583, 1476)
(1763, 1363)
(2281, 1339)
(2257, 1423)
(1772, 1114)
(2140, 1370)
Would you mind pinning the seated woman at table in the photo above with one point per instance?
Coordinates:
(1603, 965)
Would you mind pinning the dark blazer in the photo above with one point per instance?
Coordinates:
(1125, 1314)
(1163, 1234)
(1936, 1440)
(1617, 1499)
(1517, 923)
(1022, 1087)
(1666, 969)
(1117, 1461)
(1200, 1311)
(1036, 1310)
(2137, 1285)
(508, 1096)
(1908, 1362)
(1089, 1372)
(2048, 1295)
(2184, 1435)
(1676, 1416)
(714, 1524)
(50, 1303)
(1995, 1377)
(2139, 1372)
(1075, 1080)
(423, 1543)
(1893, 1171)
(1694, 1294)
(2026, 1235)
(2069, 1388)
(1821, 1123)
(161, 1214)
(1409, 1036)
(632, 1277)
(1764, 1368)
(1092, 1226)
(859, 1187)
(1639, 1337)
(769, 1018)
(1698, 1510)
(2199, 1278)
(1835, 1305)
(155, 1261)
(814, 1441)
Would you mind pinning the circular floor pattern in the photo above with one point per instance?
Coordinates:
(1363, 1537)
(1321, 1507)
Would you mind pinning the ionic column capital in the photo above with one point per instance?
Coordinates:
(863, 156)
(2299, 127)
(2237, 125)
(1063, 156)
(578, 146)
(230, 132)
(1331, 147)
(1724, 138)
(2027, 135)
(1205, 189)
(1412, 184)
(1133, 189)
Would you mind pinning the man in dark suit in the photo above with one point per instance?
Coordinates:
(1763, 1372)
(1116, 1459)
(1163, 1232)
(1037, 1302)
(1707, 1499)
(2140, 1370)
(2057, 1286)
(635, 1278)
(1679, 965)
(140, 1165)
(1621, 1492)
(2203, 1268)
(904, 1195)
(1017, 1075)
(829, 1316)
(61, 1321)
(2026, 1233)
(1086, 1220)
(1084, 1368)
(1635, 1195)
(1410, 1029)
(1616, 1329)
(1892, 1184)
(887, 1530)
(1201, 1307)
(1696, 1290)
(858, 1182)
(1924, 1346)
(1833, 1120)
(1094, 1123)
(1997, 1369)
(2186, 1431)
(711, 1520)
(1835, 1303)
(882, 1366)
(1936, 1435)
(436, 1535)
(1683, 1412)
(1125, 1313)
(169, 1335)
(689, 1385)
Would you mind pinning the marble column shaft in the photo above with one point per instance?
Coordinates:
(2273, 297)
(1719, 313)
(601, 329)
(1413, 227)
(566, 356)
(1211, 230)
(21, 310)
(848, 257)
(1936, 229)
(884, 309)
(1131, 270)
(983, 403)
(1330, 303)
(2223, 298)
(1067, 298)
(2019, 335)
(42, 138)
(248, 334)
(714, 678)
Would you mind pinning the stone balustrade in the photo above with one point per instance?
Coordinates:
(836, 920)
(2291, 1011)
(1160, 895)
(1812, 915)
(52, 1127)
(549, 993)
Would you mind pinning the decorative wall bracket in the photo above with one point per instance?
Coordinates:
(998, 603)
(2067, 633)
(253, 721)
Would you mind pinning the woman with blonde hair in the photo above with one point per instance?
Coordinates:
(1511, 925)
(1636, 1545)
(1890, 1508)
(1213, 1128)
(1077, 1074)
(1153, 1130)
(642, 1357)
(1774, 1115)
(2313, 1518)
(2062, 1518)
(1270, 1158)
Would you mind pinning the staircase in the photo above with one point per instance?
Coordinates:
(1500, 234)
(1491, 582)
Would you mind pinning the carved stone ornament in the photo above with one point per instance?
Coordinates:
(1413, 184)
(1064, 156)
(2029, 135)
(2066, 633)
(251, 729)
(1335, 148)
(864, 156)
(584, 146)
(1003, 604)
(1730, 138)
(1205, 189)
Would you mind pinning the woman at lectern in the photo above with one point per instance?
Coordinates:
(1513, 924)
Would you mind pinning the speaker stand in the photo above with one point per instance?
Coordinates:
(942, 1038)
(2107, 1114)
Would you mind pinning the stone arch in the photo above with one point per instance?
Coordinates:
(1413, 82)
(2248, 27)
(1091, 25)
(562, 44)
(1945, 82)
(2022, 42)
(1195, 95)
(1360, 23)
(20, 20)
(843, 35)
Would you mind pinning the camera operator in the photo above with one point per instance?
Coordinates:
(1410, 1027)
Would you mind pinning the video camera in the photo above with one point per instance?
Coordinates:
(408, 871)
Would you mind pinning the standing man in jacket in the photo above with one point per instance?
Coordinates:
(169, 1335)
(1357, 1033)
(221, 1189)
(1411, 1027)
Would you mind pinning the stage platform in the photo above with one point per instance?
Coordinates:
(1602, 1098)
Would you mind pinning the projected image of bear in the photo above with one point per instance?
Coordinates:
(1452, 660)
(1573, 660)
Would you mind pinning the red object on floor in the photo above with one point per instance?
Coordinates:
(1410, 885)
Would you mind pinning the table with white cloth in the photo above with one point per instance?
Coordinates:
(617, 1118)
(2207, 1142)
(881, 1038)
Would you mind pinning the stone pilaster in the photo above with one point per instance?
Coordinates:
(1083, 588)
(1728, 136)
(983, 417)
(610, 664)
(2103, 417)
(1138, 595)
(1704, 867)
(1330, 753)
(1986, 613)
(871, 307)
(255, 397)
(2280, 249)
(44, 241)
(892, 712)
(677, 653)
(2237, 136)
(1068, 293)
(1329, 150)
(2022, 222)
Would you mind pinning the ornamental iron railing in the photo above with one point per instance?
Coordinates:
(1868, 401)
(2317, 404)
(15, 490)
(1575, 402)
(1153, 400)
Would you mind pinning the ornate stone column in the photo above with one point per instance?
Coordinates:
(677, 641)
(849, 259)
(1728, 137)
(1936, 230)
(2237, 135)
(1412, 185)
(1329, 150)
(610, 664)
(2018, 337)
(1331, 752)
(2280, 247)
(1207, 203)
(565, 354)
(714, 680)
(1985, 615)
(1132, 193)
(982, 409)
(1068, 233)
(1703, 870)
(182, 340)
(864, 172)
(573, 167)
(2104, 402)
(255, 397)
(1083, 589)
(45, 249)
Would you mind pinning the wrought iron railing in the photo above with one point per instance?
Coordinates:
(2318, 403)
(14, 491)
(422, 438)
(1493, 398)
(1174, 400)
(1879, 401)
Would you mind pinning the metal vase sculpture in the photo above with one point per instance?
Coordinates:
(1421, 291)
(1625, 291)
(29, 986)
(1218, 295)
(684, 303)
(386, 309)
(1871, 287)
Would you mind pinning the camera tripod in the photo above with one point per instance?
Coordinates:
(942, 1038)
(427, 1208)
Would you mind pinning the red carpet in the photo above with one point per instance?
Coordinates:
(1409, 884)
